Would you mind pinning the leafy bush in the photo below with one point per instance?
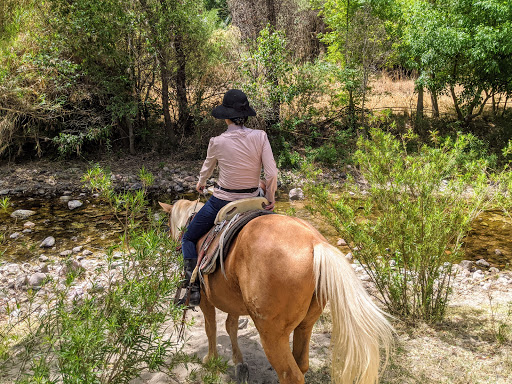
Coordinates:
(408, 224)
(121, 323)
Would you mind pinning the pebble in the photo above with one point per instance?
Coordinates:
(190, 179)
(43, 258)
(73, 204)
(494, 270)
(65, 198)
(65, 253)
(478, 274)
(22, 213)
(466, 264)
(48, 242)
(29, 224)
(36, 279)
(483, 263)
(86, 252)
(44, 268)
(27, 230)
(349, 256)
(342, 242)
(15, 235)
(77, 249)
(296, 194)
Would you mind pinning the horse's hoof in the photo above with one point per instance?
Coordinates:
(242, 373)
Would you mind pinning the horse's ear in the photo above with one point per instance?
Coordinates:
(166, 207)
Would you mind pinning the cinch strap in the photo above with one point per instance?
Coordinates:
(248, 190)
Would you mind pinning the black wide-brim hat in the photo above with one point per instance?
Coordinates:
(234, 104)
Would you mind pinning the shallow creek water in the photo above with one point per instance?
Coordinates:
(93, 227)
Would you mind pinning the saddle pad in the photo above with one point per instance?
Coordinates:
(218, 247)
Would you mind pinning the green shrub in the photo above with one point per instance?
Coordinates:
(408, 224)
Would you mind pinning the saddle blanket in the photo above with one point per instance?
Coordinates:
(216, 244)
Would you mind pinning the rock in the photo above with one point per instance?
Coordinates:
(466, 264)
(77, 249)
(65, 253)
(503, 280)
(296, 194)
(190, 179)
(22, 213)
(86, 252)
(29, 224)
(11, 269)
(4, 192)
(498, 252)
(494, 270)
(48, 242)
(65, 198)
(341, 242)
(27, 230)
(20, 280)
(73, 204)
(43, 258)
(365, 278)
(117, 255)
(483, 263)
(15, 235)
(466, 273)
(43, 268)
(349, 256)
(478, 274)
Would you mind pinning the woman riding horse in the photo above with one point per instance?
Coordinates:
(239, 153)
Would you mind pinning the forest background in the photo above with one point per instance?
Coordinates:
(85, 77)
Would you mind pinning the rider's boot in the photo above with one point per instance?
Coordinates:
(195, 295)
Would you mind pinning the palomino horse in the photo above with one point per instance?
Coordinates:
(281, 271)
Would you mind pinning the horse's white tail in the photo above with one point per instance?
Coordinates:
(360, 328)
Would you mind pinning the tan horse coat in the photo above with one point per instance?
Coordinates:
(281, 271)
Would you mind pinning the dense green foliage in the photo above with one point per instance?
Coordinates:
(417, 204)
(143, 74)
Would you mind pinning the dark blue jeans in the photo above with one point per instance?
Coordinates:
(200, 225)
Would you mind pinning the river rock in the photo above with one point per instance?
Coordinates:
(22, 214)
(349, 256)
(48, 242)
(478, 274)
(190, 179)
(28, 224)
(65, 253)
(20, 280)
(15, 235)
(37, 279)
(11, 269)
(466, 264)
(27, 230)
(73, 204)
(77, 249)
(494, 270)
(44, 268)
(86, 252)
(43, 258)
(498, 252)
(65, 198)
(483, 263)
(341, 242)
(296, 194)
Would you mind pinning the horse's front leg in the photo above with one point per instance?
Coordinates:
(242, 370)
(210, 326)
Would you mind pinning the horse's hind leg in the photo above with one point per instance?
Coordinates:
(242, 370)
(302, 335)
(277, 348)
(210, 326)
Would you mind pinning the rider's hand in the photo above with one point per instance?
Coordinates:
(200, 188)
(270, 207)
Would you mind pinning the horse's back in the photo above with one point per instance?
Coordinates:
(269, 270)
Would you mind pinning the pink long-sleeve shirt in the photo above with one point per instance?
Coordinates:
(240, 153)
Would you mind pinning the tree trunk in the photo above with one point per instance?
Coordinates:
(164, 77)
(456, 103)
(419, 104)
(435, 104)
(184, 118)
